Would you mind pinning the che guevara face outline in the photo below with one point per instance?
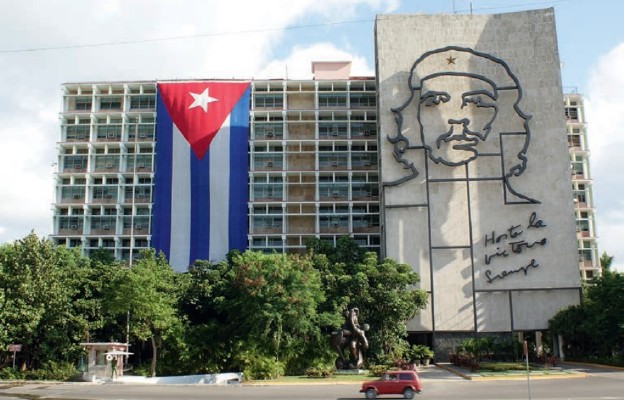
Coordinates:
(455, 112)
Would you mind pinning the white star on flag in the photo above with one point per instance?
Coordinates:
(201, 100)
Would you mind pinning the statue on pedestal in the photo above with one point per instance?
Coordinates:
(350, 341)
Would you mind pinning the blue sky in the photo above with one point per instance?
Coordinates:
(166, 39)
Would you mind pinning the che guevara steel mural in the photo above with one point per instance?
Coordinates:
(468, 118)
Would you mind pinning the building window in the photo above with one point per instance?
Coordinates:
(109, 132)
(363, 129)
(365, 221)
(333, 190)
(107, 162)
(77, 132)
(333, 221)
(75, 162)
(574, 141)
(332, 99)
(140, 162)
(361, 100)
(110, 103)
(329, 130)
(71, 223)
(365, 190)
(104, 192)
(571, 113)
(269, 131)
(268, 191)
(142, 102)
(333, 160)
(269, 100)
(145, 131)
(83, 104)
(268, 222)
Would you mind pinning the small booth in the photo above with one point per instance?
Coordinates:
(105, 360)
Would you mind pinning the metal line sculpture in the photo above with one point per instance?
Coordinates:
(462, 135)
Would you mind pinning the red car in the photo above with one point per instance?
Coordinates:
(393, 382)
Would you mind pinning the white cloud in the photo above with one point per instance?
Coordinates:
(298, 63)
(605, 117)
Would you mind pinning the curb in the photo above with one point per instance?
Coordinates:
(513, 377)
(589, 365)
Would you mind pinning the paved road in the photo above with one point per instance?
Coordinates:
(437, 384)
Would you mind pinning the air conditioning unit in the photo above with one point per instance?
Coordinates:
(74, 227)
(81, 136)
(334, 163)
(77, 166)
(368, 194)
(335, 194)
(142, 135)
(76, 196)
(110, 135)
(109, 166)
(140, 195)
(366, 163)
(105, 227)
(270, 134)
(334, 133)
(141, 165)
(139, 227)
(269, 164)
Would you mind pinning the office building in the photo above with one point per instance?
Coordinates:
(576, 125)
(313, 170)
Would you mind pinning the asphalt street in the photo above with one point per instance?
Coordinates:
(597, 384)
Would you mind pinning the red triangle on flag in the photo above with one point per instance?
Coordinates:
(199, 109)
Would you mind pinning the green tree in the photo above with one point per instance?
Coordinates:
(148, 292)
(207, 336)
(606, 261)
(384, 291)
(596, 326)
(273, 305)
(39, 283)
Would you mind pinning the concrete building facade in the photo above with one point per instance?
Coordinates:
(475, 171)
(584, 208)
(313, 163)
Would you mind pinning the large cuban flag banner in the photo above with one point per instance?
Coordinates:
(200, 182)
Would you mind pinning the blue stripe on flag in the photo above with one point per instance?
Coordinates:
(161, 221)
(239, 165)
(200, 207)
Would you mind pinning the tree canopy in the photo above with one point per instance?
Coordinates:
(263, 314)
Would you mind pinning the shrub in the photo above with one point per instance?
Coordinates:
(401, 363)
(319, 372)
(502, 366)
(377, 369)
(50, 371)
(256, 366)
(10, 374)
(464, 360)
(420, 352)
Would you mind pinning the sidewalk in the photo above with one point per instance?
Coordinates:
(560, 372)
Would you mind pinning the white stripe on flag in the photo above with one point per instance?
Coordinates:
(220, 192)
(179, 252)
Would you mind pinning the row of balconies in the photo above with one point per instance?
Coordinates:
(275, 100)
(289, 242)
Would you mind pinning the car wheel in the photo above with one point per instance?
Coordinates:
(371, 394)
(408, 393)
